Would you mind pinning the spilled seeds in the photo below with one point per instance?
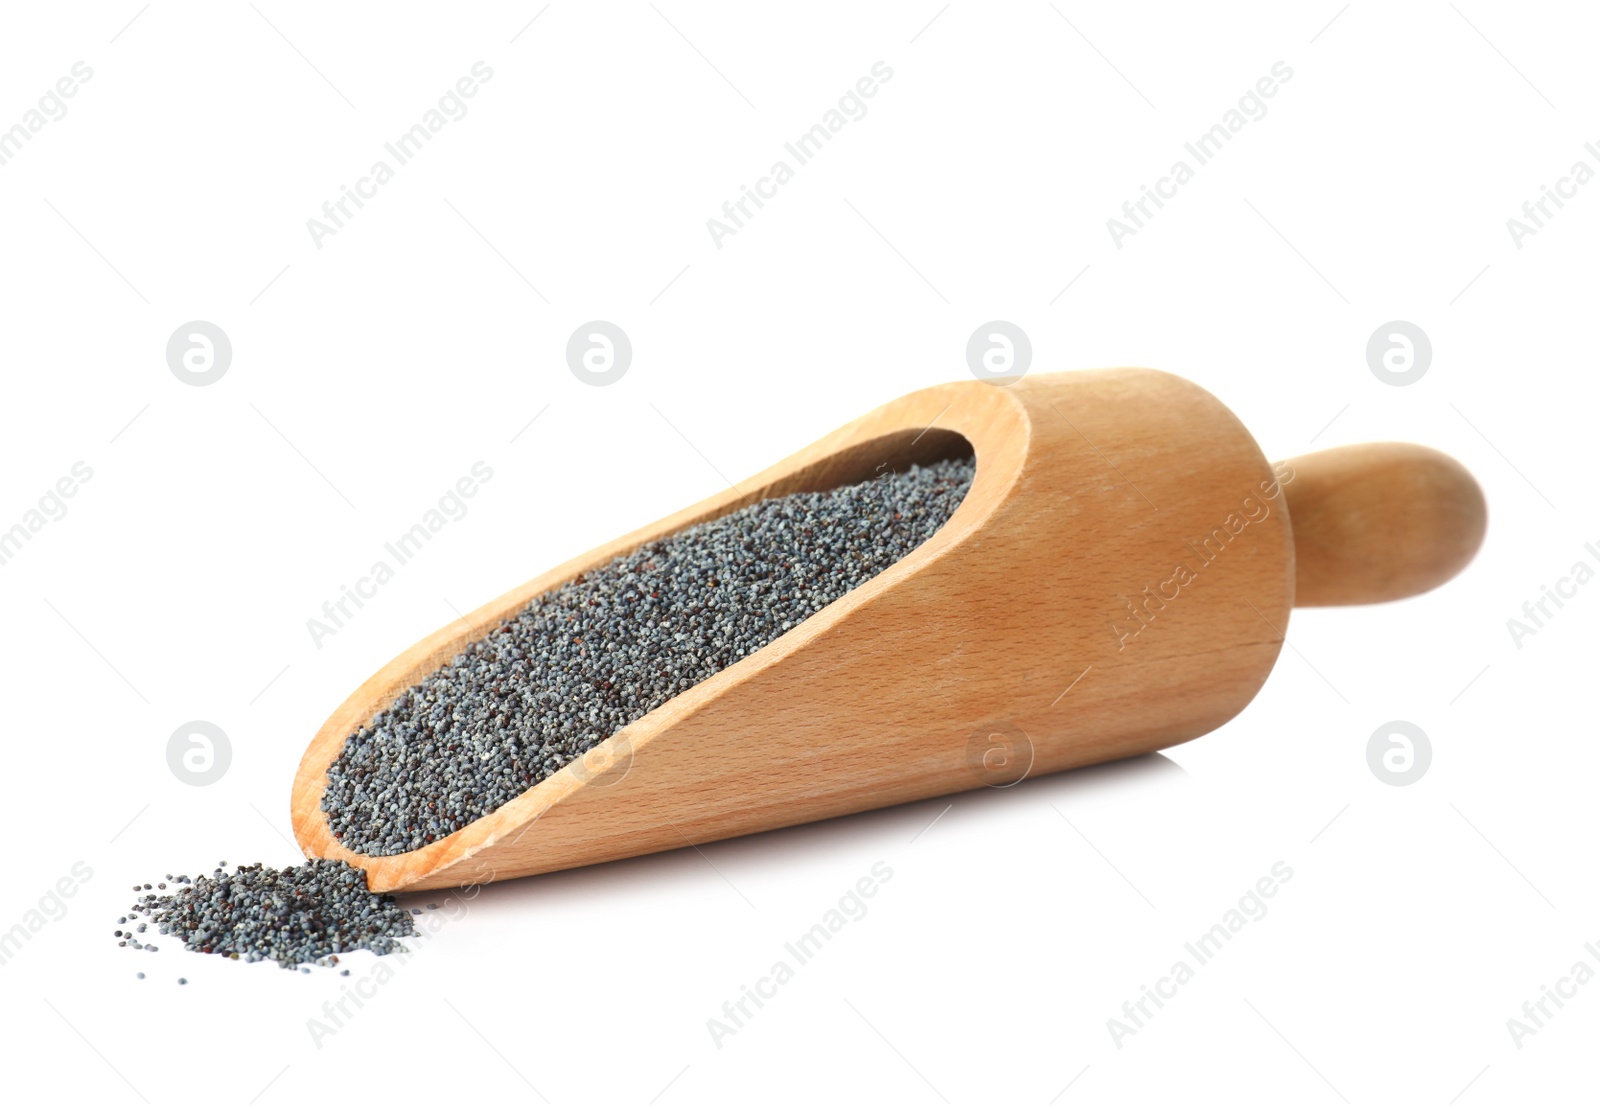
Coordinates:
(298, 917)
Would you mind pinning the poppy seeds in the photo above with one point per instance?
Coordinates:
(293, 916)
(572, 668)
(592, 656)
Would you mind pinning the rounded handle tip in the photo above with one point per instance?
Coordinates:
(1380, 521)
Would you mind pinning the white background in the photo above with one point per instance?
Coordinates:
(372, 372)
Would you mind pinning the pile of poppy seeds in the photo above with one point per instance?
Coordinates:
(571, 669)
(589, 658)
(306, 914)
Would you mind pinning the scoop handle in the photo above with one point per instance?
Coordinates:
(1380, 521)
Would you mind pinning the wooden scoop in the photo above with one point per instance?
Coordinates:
(1117, 580)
